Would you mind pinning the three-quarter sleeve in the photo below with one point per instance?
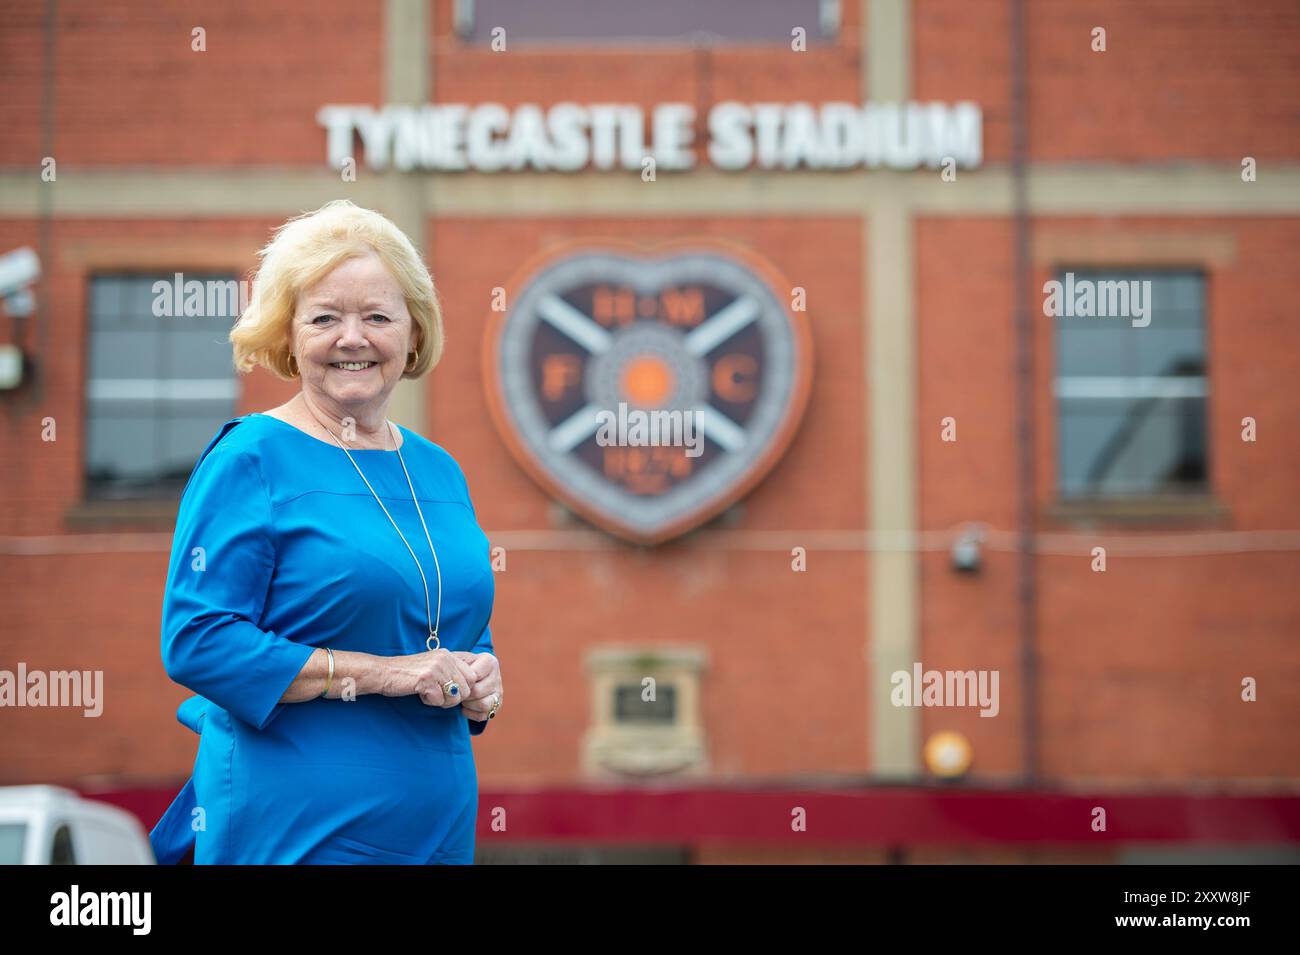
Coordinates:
(223, 556)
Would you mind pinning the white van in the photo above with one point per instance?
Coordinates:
(51, 825)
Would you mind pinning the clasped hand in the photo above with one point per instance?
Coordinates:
(477, 675)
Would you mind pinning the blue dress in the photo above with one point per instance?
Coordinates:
(279, 549)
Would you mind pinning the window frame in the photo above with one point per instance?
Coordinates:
(155, 499)
(1196, 501)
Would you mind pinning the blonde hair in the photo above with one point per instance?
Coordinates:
(306, 249)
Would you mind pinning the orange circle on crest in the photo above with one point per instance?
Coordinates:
(647, 380)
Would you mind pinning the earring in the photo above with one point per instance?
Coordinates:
(411, 363)
(293, 364)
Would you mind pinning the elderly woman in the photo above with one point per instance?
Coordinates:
(329, 589)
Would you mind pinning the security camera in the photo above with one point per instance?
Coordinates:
(19, 270)
(967, 549)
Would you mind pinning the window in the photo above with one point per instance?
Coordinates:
(13, 836)
(161, 379)
(1131, 384)
(673, 21)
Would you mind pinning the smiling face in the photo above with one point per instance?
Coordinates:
(351, 335)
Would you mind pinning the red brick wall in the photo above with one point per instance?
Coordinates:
(1180, 79)
(1253, 346)
(47, 476)
(1141, 665)
(750, 612)
(92, 612)
(130, 91)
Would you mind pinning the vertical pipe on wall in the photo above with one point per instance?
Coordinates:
(42, 315)
(1027, 584)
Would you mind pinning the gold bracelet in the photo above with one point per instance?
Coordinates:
(329, 680)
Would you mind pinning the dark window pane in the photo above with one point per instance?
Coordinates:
(1173, 343)
(1091, 349)
(137, 303)
(117, 353)
(122, 447)
(1171, 351)
(106, 300)
(1130, 351)
(768, 21)
(193, 353)
(184, 436)
(1121, 447)
(630, 708)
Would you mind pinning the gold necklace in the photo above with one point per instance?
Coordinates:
(432, 643)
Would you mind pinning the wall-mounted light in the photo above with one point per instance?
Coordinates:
(947, 754)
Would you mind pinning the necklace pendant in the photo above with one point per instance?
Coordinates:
(433, 642)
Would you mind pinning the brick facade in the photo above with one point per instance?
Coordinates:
(1140, 667)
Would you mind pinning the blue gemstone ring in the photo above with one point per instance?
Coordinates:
(451, 688)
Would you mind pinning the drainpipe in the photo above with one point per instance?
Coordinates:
(1027, 584)
(35, 337)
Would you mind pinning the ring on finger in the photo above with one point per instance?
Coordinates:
(451, 688)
